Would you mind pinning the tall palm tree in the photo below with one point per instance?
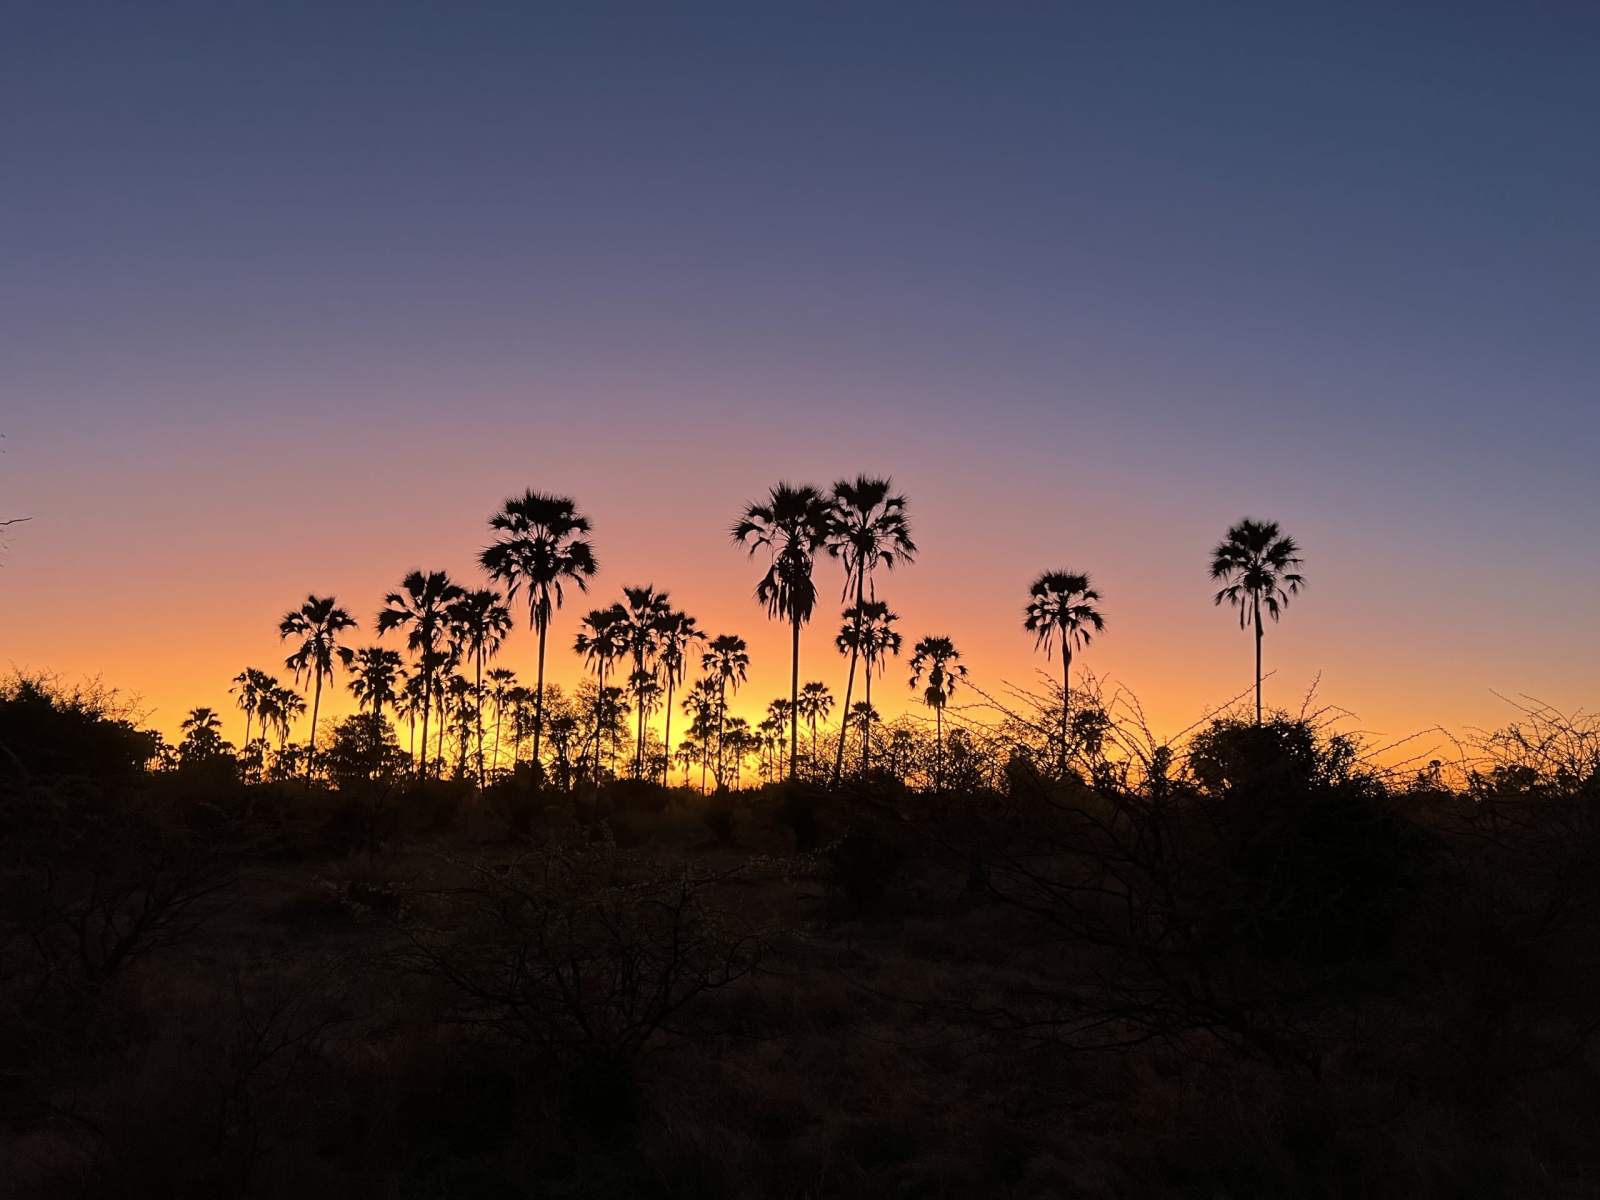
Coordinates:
(1061, 604)
(408, 704)
(938, 657)
(317, 623)
(479, 622)
(792, 524)
(868, 633)
(677, 633)
(501, 682)
(868, 530)
(422, 605)
(816, 702)
(542, 546)
(700, 706)
(644, 609)
(251, 685)
(727, 660)
(602, 639)
(1256, 561)
(781, 712)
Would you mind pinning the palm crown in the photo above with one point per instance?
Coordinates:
(1256, 560)
(1061, 606)
(317, 623)
(539, 548)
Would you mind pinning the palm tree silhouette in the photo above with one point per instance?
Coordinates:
(479, 623)
(423, 604)
(868, 633)
(501, 683)
(792, 524)
(644, 609)
(280, 708)
(816, 702)
(317, 623)
(727, 660)
(700, 706)
(602, 639)
(868, 529)
(375, 673)
(541, 546)
(677, 633)
(1255, 560)
(937, 656)
(1062, 604)
(252, 686)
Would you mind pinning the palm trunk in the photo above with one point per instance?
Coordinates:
(866, 727)
(599, 710)
(427, 697)
(794, 698)
(849, 683)
(722, 728)
(938, 749)
(311, 745)
(411, 747)
(666, 737)
(499, 715)
(1257, 618)
(247, 739)
(538, 704)
(477, 708)
(1066, 701)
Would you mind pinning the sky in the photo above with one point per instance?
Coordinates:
(294, 295)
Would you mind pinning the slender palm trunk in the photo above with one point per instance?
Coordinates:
(722, 727)
(850, 679)
(938, 748)
(247, 740)
(1066, 699)
(794, 698)
(1257, 619)
(427, 696)
(638, 740)
(499, 715)
(599, 710)
(311, 744)
(866, 725)
(411, 747)
(477, 708)
(443, 725)
(666, 737)
(538, 701)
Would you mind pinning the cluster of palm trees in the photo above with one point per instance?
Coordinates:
(641, 647)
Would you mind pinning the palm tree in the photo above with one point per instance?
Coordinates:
(677, 633)
(868, 632)
(1255, 560)
(601, 640)
(868, 530)
(375, 672)
(501, 683)
(422, 603)
(700, 706)
(408, 704)
(1062, 604)
(479, 622)
(781, 712)
(937, 656)
(317, 623)
(541, 547)
(792, 524)
(816, 702)
(727, 660)
(281, 708)
(251, 685)
(644, 609)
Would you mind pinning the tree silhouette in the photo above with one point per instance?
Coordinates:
(374, 673)
(816, 702)
(1255, 561)
(317, 623)
(938, 657)
(867, 529)
(501, 684)
(792, 525)
(1061, 604)
(726, 660)
(422, 606)
(868, 633)
(541, 547)
(701, 707)
(644, 609)
(602, 639)
(479, 623)
(252, 686)
(280, 708)
(677, 633)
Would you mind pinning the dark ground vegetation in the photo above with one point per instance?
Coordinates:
(1259, 970)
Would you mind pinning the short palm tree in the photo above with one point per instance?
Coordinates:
(422, 605)
(1256, 561)
(816, 703)
(700, 706)
(868, 529)
(644, 609)
(868, 633)
(602, 639)
(376, 674)
(542, 544)
(281, 707)
(677, 634)
(479, 623)
(501, 683)
(937, 656)
(726, 660)
(317, 624)
(791, 524)
(1061, 605)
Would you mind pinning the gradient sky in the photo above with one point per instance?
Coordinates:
(293, 295)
